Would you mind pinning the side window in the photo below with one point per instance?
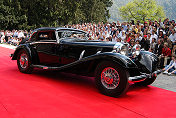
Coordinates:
(72, 34)
(43, 36)
(49, 36)
(66, 34)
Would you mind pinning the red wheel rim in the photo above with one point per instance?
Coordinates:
(23, 60)
(110, 78)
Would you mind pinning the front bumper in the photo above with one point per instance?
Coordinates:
(11, 56)
(143, 76)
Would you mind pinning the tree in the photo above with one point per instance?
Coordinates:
(96, 10)
(141, 10)
(61, 12)
(27, 14)
(11, 15)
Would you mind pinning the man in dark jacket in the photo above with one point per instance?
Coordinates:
(145, 43)
(158, 48)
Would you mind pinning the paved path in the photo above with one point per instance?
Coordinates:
(7, 46)
(165, 82)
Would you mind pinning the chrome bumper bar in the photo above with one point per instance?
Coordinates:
(144, 76)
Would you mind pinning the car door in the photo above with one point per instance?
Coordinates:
(67, 49)
(45, 45)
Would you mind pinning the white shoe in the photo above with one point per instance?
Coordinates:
(165, 72)
(169, 74)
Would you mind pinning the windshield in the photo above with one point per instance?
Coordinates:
(72, 34)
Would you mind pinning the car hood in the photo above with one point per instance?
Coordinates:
(93, 43)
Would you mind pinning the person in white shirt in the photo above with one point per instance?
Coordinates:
(114, 38)
(154, 35)
(123, 36)
(20, 34)
(161, 23)
(171, 68)
(149, 37)
(138, 36)
(106, 35)
(2, 37)
(172, 37)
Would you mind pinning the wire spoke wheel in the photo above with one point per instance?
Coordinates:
(23, 60)
(110, 78)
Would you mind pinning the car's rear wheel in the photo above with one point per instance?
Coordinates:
(111, 79)
(24, 62)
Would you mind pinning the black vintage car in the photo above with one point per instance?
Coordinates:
(113, 65)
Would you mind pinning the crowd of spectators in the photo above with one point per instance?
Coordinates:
(14, 37)
(158, 37)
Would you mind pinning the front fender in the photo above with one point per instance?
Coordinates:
(124, 61)
(21, 47)
(32, 53)
(149, 60)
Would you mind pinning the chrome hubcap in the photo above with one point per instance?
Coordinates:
(23, 61)
(110, 78)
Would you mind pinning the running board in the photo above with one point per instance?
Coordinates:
(47, 67)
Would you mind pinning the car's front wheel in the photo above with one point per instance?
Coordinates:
(24, 62)
(111, 79)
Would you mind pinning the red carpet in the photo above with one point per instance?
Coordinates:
(58, 95)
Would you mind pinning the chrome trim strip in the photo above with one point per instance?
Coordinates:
(82, 54)
(39, 42)
(98, 52)
(57, 37)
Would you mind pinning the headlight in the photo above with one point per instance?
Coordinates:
(135, 51)
(124, 50)
(121, 48)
